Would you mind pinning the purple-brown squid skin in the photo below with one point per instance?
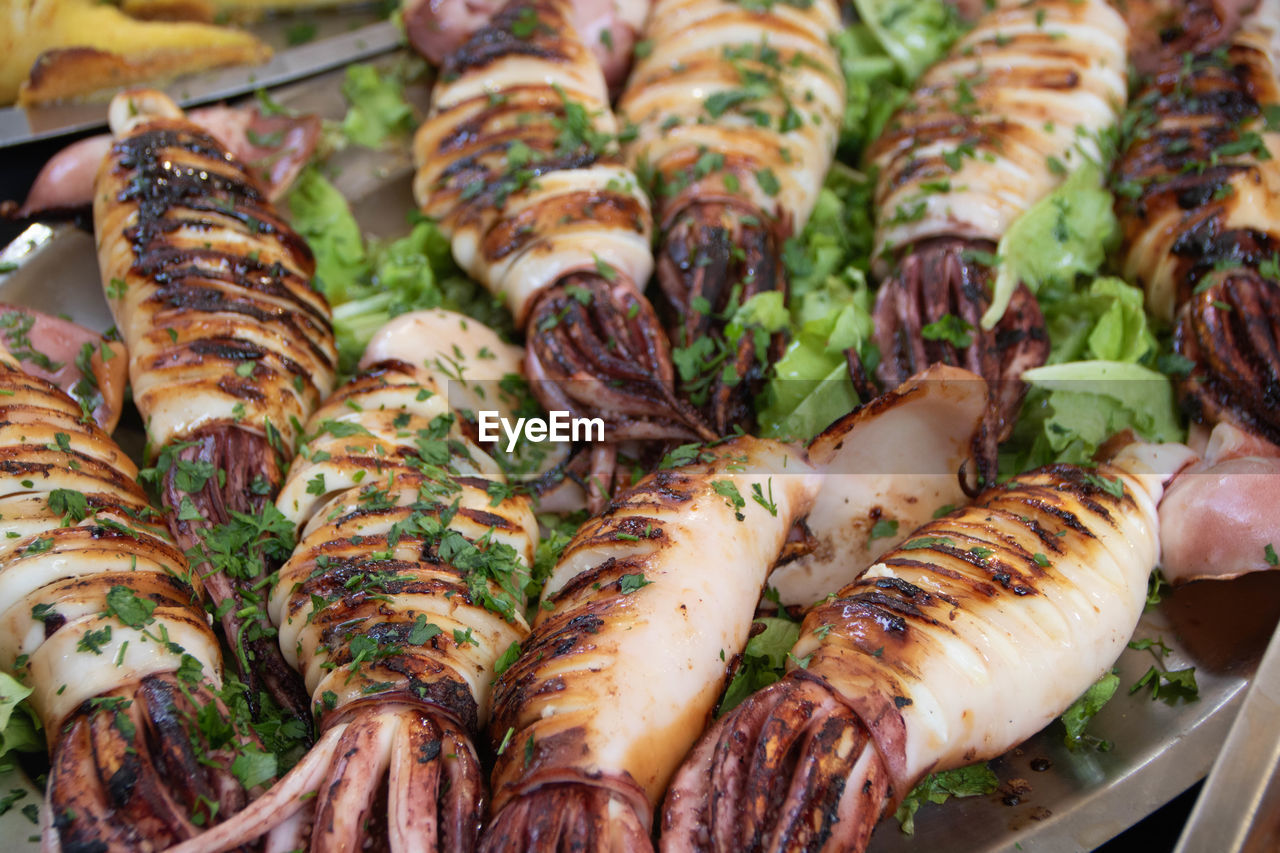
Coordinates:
(117, 788)
(794, 768)
(249, 462)
(715, 255)
(941, 278)
(605, 355)
(1196, 187)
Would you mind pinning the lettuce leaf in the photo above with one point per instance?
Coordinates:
(763, 660)
(881, 57)
(810, 387)
(19, 728)
(1104, 321)
(913, 32)
(377, 108)
(367, 283)
(1076, 406)
(319, 212)
(1066, 233)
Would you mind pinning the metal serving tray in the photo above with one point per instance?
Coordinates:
(1080, 801)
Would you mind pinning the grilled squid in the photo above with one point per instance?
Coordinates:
(737, 109)
(934, 658)
(229, 347)
(988, 132)
(102, 621)
(887, 467)
(1197, 197)
(628, 652)
(275, 147)
(406, 587)
(518, 161)
(609, 28)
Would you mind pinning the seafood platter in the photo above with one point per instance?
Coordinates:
(713, 425)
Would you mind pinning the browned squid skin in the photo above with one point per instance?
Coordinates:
(605, 354)
(1166, 30)
(940, 278)
(564, 239)
(1200, 226)
(117, 793)
(784, 774)
(196, 312)
(723, 252)
(1230, 333)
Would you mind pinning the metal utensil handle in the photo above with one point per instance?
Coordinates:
(1239, 809)
(18, 125)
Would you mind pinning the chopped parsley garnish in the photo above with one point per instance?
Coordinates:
(1077, 717)
(508, 657)
(125, 605)
(972, 781)
(628, 584)
(733, 498)
(926, 542)
(883, 529)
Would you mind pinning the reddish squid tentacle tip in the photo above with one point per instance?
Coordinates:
(251, 472)
(566, 816)
(130, 773)
(939, 287)
(791, 768)
(399, 775)
(596, 348)
(715, 256)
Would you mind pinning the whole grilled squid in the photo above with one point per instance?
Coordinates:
(1198, 196)
(519, 162)
(102, 621)
(989, 131)
(628, 652)
(405, 588)
(934, 658)
(230, 349)
(737, 109)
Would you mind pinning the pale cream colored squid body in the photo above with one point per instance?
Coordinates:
(544, 229)
(1031, 85)
(962, 642)
(647, 604)
(761, 89)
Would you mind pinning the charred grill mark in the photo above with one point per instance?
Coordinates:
(515, 233)
(497, 40)
(1229, 332)
(598, 576)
